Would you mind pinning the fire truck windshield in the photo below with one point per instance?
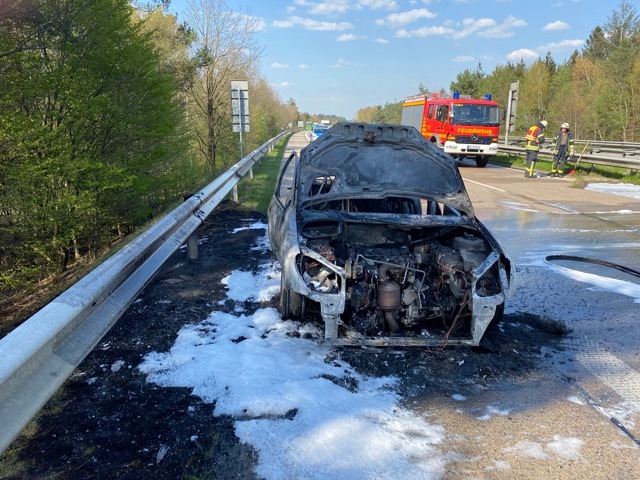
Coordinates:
(473, 114)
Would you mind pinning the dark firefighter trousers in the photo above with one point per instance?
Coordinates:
(559, 159)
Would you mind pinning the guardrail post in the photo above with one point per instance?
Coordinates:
(192, 246)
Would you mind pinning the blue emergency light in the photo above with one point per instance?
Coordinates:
(487, 96)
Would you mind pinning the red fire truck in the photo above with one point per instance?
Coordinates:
(462, 126)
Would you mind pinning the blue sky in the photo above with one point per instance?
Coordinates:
(338, 56)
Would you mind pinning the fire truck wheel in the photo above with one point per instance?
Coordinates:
(482, 161)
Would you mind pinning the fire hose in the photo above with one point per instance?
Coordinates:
(622, 268)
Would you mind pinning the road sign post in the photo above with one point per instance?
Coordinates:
(240, 115)
(512, 105)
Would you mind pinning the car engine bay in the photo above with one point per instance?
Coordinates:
(402, 281)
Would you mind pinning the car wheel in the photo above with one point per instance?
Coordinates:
(497, 318)
(482, 161)
(292, 304)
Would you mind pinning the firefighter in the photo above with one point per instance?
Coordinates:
(533, 140)
(562, 149)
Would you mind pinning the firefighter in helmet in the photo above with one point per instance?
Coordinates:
(562, 149)
(533, 140)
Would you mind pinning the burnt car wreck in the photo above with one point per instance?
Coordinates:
(376, 234)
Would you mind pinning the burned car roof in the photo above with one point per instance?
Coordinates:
(377, 160)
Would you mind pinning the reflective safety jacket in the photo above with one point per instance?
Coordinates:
(534, 138)
(568, 141)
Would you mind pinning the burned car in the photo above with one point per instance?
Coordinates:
(377, 237)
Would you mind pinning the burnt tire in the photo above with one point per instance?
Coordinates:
(497, 318)
(292, 304)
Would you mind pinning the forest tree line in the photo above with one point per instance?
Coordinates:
(109, 114)
(597, 90)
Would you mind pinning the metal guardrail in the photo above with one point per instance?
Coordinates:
(611, 154)
(41, 353)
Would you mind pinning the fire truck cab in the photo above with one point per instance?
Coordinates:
(462, 126)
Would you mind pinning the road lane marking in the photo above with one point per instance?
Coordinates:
(487, 186)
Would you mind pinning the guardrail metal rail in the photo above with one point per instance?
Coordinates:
(41, 353)
(598, 152)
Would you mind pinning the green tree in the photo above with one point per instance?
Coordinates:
(533, 99)
(623, 25)
(392, 112)
(470, 82)
(550, 63)
(562, 101)
(226, 49)
(597, 46)
(613, 104)
(266, 110)
(369, 114)
(87, 132)
(587, 77)
(171, 42)
(498, 82)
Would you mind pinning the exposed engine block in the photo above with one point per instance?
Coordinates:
(416, 286)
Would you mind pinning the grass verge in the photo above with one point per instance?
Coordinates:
(255, 193)
(588, 172)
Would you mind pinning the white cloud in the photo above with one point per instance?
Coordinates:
(558, 46)
(522, 54)
(472, 25)
(284, 84)
(341, 63)
(349, 37)
(304, 66)
(310, 24)
(505, 29)
(557, 25)
(254, 23)
(396, 20)
(464, 58)
(424, 32)
(381, 40)
(279, 65)
(529, 54)
(379, 4)
(333, 7)
(282, 23)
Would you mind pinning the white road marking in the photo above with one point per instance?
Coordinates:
(485, 185)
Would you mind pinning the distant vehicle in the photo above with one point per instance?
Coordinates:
(318, 131)
(463, 127)
(377, 237)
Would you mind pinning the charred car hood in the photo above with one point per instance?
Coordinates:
(356, 160)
